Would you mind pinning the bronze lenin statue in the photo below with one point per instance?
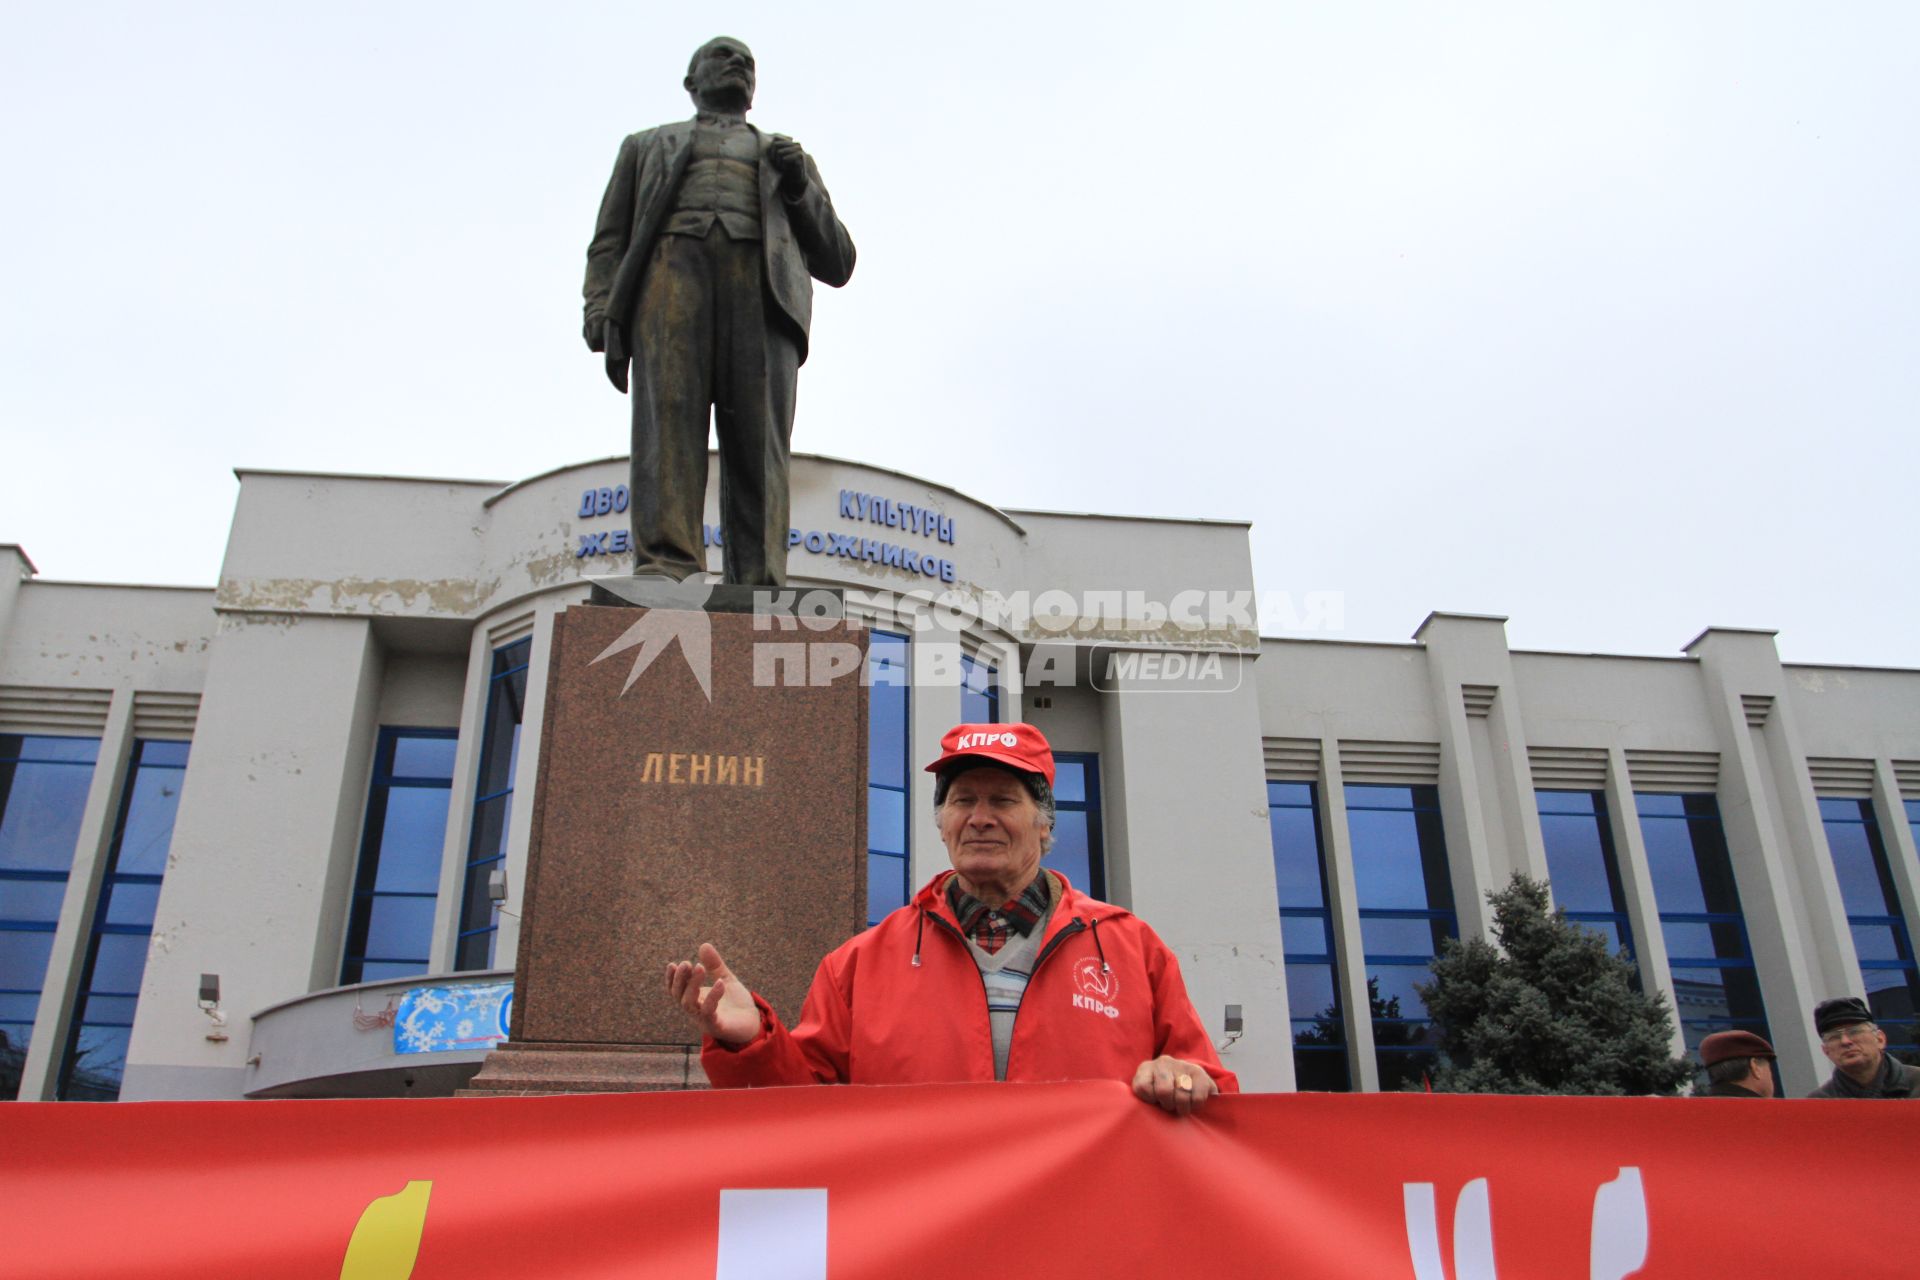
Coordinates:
(698, 275)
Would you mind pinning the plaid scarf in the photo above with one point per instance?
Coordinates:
(986, 926)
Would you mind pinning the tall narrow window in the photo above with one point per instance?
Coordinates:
(1580, 863)
(1077, 853)
(1714, 983)
(96, 1052)
(43, 793)
(493, 804)
(888, 677)
(1873, 911)
(1406, 907)
(390, 930)
(979, 693)
(1306, 929)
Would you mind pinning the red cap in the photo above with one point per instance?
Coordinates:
(1018, 746)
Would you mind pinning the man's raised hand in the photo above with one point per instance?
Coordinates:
(723, 1008)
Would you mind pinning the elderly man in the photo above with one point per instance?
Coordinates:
(1739, 1065)
(1862, 1067)
(931, 993)
(699, 271)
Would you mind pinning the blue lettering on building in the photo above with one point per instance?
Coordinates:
(610, 500)
(604, 501)
(874, 509)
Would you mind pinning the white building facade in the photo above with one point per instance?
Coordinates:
(269, 839)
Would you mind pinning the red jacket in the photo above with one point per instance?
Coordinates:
(903, 1003)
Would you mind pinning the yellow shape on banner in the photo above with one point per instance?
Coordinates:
(387, 1240)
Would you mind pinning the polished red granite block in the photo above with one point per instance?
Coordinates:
(664, 818)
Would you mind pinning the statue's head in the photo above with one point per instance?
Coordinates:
(720, 76)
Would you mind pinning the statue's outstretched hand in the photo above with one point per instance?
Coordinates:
(791, 161)
(723, 1009)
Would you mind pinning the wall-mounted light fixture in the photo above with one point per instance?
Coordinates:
(1235, 1025)
(210, 1005)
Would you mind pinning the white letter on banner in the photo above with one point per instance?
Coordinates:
(1472, 1232)
(1619, 1227)
(773, 1235)
(1423, 1230)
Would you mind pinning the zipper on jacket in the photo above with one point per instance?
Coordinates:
(1013, 1031)
(986, 1001)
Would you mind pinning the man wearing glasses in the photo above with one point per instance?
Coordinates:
(1862, 1067)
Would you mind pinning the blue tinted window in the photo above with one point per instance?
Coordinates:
(1708, 954)
(39, 749)
(1587, 802)
(1306, 931)
(492, 804)
(886, 884)
(95, 1057)
(43, 793)
(889, 723)
(1880, 936)
(1078, 853)
(1069, 779)
(1581, 865)
(1298, 872)
(887, 821)
(1406, 908)
(398, 883)
(426, 754)
(979, 692)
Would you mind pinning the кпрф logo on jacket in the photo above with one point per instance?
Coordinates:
(1099, 987)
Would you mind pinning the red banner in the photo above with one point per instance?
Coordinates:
(956, 1181)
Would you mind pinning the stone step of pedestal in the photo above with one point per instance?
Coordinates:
(524, 1069)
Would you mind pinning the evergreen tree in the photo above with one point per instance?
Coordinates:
(1551, 1010)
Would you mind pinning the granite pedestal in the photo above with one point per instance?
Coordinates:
(671, 811)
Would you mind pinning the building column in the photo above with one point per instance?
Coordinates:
(933, 707)
(60, 989)
(1788, 892)
(1636, 880)
(270, 813)
(1198, 819)
(1903, 860)
(1343, 906)
(526, 780)
(15, 569)
(466, 777)
(1486, 786)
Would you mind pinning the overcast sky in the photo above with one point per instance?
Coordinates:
(1603, 316)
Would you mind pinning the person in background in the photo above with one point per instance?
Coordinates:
(1862, 1067)
(1739, 1065)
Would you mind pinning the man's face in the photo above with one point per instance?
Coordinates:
(722, 75)
(992, 829)
(1760, 1079)
(1855, 1049)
